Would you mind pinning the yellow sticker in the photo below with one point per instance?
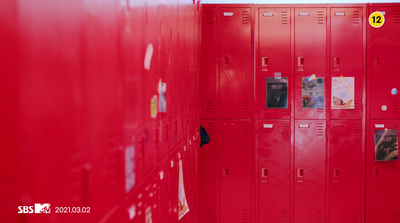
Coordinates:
(376, 19)
(153, 106)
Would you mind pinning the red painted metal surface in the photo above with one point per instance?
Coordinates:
(310, 56)
(235, 168)
(383, 61)
(78, 83)
(382, 205)
(347, 56)
(310, 158)
(274, 56)
(274, 171)
(235, 63)
(345, 171)
(208, 80)
(208, 174)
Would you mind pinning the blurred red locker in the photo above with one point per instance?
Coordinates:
(274, 62)
(235, 171)
(310, 58)
(235, 67)
(310, 158)
(274, 168)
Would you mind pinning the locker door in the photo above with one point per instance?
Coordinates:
(310, 58)
(207, 175)
(208, 80)
(274, 171)
(383, 178)
(347, 62)
(384, 60)
(236, 53)
(309, 193)
(345, 172)
(235, 171)
(274, 56)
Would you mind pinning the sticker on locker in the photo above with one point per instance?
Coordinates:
(313, 94)
(277, 93)
(342, 93)
(386, 145)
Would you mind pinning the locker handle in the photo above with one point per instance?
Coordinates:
(264, 174)
(300, 174)
(300, 63)
(376, 64)
(339, 125)
(225, 172)
(335, 177)
(375, 172)
(264, 63)
(336, 63)
(225, 63)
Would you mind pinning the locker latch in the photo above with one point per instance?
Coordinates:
(299, 175)
(335, 176)
(264, 63)
(264, 175)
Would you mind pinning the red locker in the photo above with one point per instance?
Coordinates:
(382, 176)
(310, 58)
(173, 180)
(9, 87)
(235, 171)
(208, 174)
(274, 168)
(236, 68)
(346, 177)
(383, 59)
(274, 59)
(309, 189)
(347, 58)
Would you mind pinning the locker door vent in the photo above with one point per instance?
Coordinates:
(245, 129)
(356, 106)
(356, 17)
(210, 106)
(245, 17)
(396, 217)
(209, 16)
(319, 216)
(284, 216)
(210, 216)
(245, 216)
(285, 18)
(320, 17)
(395, 126)
(320, 129)
(356, 130)
(355, 217)
(209, 128)
(397, 16)
(396, 105)
(285, 129)
(245, 106)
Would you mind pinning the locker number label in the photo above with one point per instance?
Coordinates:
(376, 19)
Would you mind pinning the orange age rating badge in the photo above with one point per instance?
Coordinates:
(376, 19)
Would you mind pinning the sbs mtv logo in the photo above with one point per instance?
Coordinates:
(37, 209)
